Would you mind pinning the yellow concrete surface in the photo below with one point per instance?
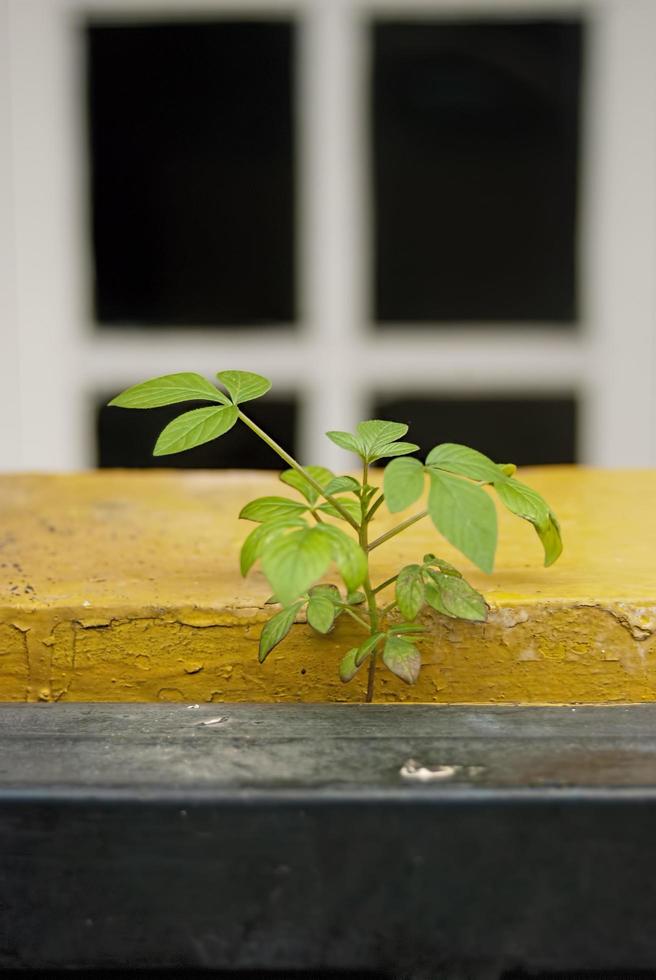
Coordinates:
(124, 586)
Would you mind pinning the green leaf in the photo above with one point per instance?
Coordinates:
(194, 428)
(394, 449)
(367, 648)
(402, 658)
(403, 483)
(341, 484)
(433, 597)
(523, 501)
(551, 539)
(296, 480)
(329, 591)
(350, 505)
(458, 598)
(377, 433)
(347, 554)
(277, 628)
(244, 386)
(454, 458)
(465, 515)
(443, 566)
(527, 503)
(348, 667)
(346, 441)
(270, 508)
(294, 562)
(168, 390)
(260, 536)
(321, 613)
(355, 598)
(410, 591)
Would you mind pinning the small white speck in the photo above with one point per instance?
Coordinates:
(193, 706)
(426, 774)
(212, 721)
(86, 603)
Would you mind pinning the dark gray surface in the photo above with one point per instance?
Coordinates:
(284, 837)
(352, 750)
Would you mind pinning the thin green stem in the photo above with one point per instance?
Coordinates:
(272, 444)
(397, 530)
(358, 619)
(374, 507)
(383, 585)
(363, 534)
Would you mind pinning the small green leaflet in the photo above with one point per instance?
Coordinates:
(270, 508)
(377, 433)
(457, 598)
(296, 480)
(410, 591)
(321, 613)
(522, 500)
(348, 504)
(328, 590)
(434, 598)
(346, 441)
(277, 628)
(551, 539)
(367, 648)
(402, 658)
(354, 659)
(454, 458)
(394, 449)
(342, 484)
(347, 554)
(244, 386)
(194, 428)
(527, 503)
(403, 483)
(168, 390)
(465, 515)
(294, 562)
(443, 566)
(348, 668)
(260, 537)
(375, 439)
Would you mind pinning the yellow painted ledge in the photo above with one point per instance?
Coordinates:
(123, 586)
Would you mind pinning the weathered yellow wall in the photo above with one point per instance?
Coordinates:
(124, 586)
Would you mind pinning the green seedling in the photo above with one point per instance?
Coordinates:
(296, 541)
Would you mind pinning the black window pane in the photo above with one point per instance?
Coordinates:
(527, 431)
(192, 172)
(475, 170)
(125, 438)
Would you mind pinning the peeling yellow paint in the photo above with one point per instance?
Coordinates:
(123, 586)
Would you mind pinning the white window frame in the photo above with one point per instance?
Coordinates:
(54, 361)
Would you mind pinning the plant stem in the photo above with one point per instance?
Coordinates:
(375, 507)
(397, 530)
(272, 444)
(368, 590)
(358, 619)
(383, 585)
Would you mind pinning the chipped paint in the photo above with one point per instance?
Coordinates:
(122, 586)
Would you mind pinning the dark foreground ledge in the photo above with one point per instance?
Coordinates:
(420, 840)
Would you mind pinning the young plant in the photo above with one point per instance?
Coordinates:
(297, 540)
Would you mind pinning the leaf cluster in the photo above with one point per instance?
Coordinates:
(297, 540)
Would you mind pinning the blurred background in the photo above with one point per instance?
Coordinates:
(437, 212)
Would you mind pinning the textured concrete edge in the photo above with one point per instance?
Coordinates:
(551, 653)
